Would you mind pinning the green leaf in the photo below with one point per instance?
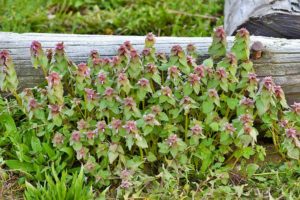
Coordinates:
(36, 144)
(247, 152)
(208, 106)
(163, 116)
(151, 157)
(22, 166)
(156, 78)
(214, 126)
(251, 169)
(187, 89)
(261, 107)
(112, 156)
(232, 103)
(141, 142)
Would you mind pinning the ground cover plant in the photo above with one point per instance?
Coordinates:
(149, 125)
(125, 17)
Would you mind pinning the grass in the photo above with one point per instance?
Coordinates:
(122, 17)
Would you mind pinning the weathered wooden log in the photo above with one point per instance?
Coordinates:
(274, 18)
(281, 57)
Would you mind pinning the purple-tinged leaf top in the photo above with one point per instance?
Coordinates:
(172, 140)
(90, 94)
(83, 70)
(296, 108)
(58, 139)
(130, 127)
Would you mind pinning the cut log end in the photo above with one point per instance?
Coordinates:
(278, 25)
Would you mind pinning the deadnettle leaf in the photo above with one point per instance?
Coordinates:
(207, 107)
(141, 142)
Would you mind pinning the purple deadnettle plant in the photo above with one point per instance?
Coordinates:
(142, 121)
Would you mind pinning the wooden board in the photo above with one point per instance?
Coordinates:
(274, 18)
(281, 58)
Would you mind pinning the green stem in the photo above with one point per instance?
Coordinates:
(141, 153)
(19, 100)
(186, 126)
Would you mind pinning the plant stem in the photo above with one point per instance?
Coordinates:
(141, 153)
(186, 126)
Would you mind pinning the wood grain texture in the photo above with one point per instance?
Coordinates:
(281, 57)
(275, 18)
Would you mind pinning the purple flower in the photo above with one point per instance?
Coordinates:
(89, 166)
(172, 140)
(97, 61)
(186, 100)
(101, 126)
(90, 135)
(131, 127)
(291, 132)
(176, 50)
(247, 102)
(83, 70)
(193, 79)
(151, 68)
(156, 109)
(283, 123)
(278, 92)
(4, 57)
(101, 78)
(134, 54)
(60, 49)
(125, 174)
(146, 51)
(243, 32)
(32, 105)
(150, 37)
(122, 51)
(128, 45)
(35, 48)
(143, 82)
(173, 72)
(81, 125)
(232, 58)
(220, 33)
(196, 129)
(58, 139)
(213, 93)
(122, 78)
(268, 83)
(129, 102)
(190, 60)
(247, 129)
(81, 153)
(221, 73)
(106, 61)
(94, 54)
(109, 92)
(115, 60)
(75, 137)
(296, 108)
(252, 78)
(246, 118)
(55, 109)
(125, 184)
(116, 124)
(229, 127)
(150, 120)
(53, 79)
(166, 91)
(190, 47)
(199, 70)
(91, 94)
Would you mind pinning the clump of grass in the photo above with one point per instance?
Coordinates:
(126, 17)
